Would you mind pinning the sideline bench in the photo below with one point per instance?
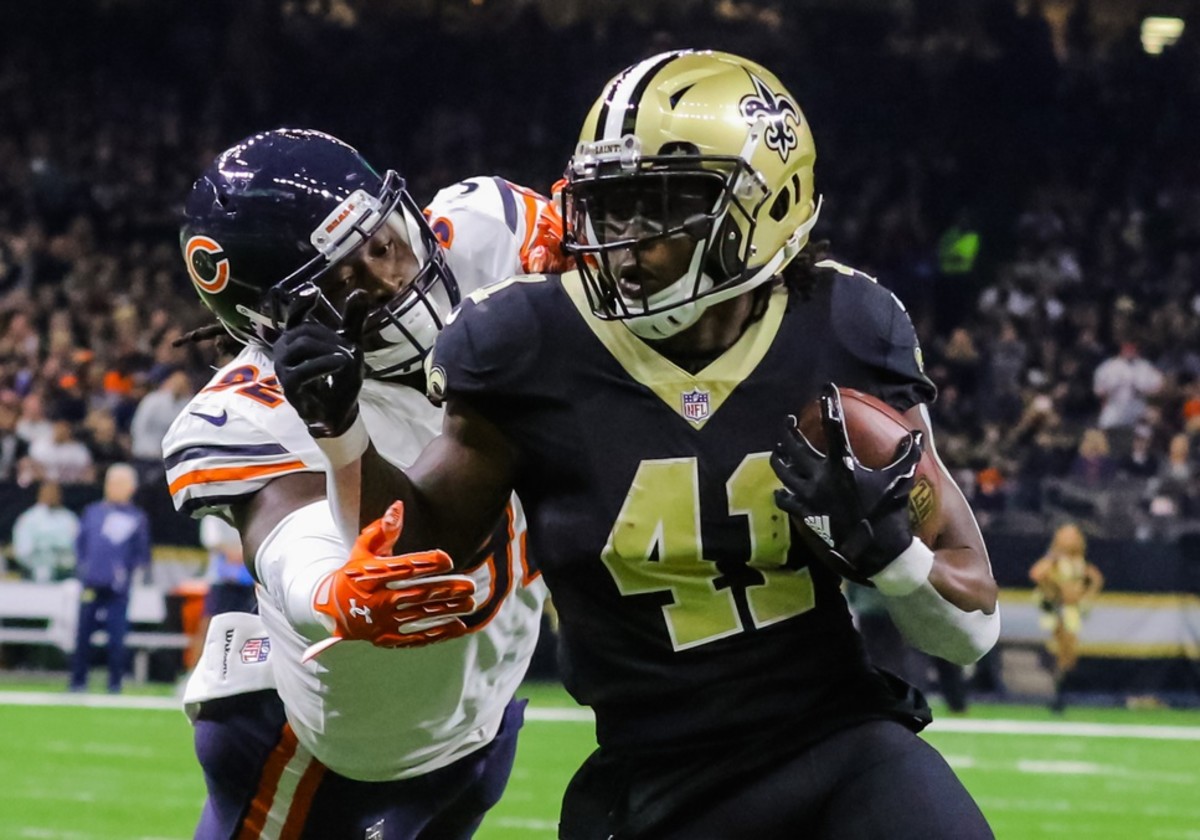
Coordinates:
(56, 606)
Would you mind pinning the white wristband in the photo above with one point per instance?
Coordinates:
(347, 447)
(907, 572)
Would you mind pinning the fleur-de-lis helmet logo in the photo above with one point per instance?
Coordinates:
(776, 108)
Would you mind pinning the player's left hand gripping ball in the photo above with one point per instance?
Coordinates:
(393, 601)
(861, 514)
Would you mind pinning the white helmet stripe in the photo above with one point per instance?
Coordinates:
(626, 92)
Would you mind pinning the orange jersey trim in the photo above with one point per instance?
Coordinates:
(302, 799)
(531, 215)
(528, 573)
(443, 229)
(231, 474)
(543, 224)
(492, 562)
(260, 807)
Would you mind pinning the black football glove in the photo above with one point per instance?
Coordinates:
(860, 513)
(320, 367)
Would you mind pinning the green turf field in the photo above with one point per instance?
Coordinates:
(96, 773)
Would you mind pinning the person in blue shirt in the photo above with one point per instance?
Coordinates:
(230, 586)
(113, 543)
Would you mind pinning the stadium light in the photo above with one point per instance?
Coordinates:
(1159, 32)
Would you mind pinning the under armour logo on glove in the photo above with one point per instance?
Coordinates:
(415, 597)
(362, 612)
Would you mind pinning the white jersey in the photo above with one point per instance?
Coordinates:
(489, 227)
(369, 713)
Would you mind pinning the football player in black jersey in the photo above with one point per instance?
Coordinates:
(640, 408)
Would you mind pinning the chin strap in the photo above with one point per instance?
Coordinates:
(677, 318)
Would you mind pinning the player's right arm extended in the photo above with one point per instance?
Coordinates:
(390, 600)
(453, 494)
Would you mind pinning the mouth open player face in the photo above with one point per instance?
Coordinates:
(648, 268)
(653, 225)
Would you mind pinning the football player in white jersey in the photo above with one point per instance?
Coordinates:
(297, 736)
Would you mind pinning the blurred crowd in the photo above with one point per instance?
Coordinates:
(1032, 193)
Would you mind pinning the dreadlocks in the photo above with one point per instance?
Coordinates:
(226, 343)
(801, 273)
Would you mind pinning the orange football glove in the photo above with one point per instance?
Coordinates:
(393, 601)
(544, 254)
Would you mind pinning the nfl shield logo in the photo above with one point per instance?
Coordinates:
(695, 405)
(256, 650)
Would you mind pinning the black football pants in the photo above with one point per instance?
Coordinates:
(871, 781)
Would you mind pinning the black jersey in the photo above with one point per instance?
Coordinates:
(689, 612)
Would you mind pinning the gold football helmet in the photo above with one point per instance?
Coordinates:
(702, 145)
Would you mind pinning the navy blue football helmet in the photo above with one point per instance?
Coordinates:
(274, 213)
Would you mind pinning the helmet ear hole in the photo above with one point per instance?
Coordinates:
(781, 205)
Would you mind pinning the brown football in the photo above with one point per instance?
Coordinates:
(875, 430)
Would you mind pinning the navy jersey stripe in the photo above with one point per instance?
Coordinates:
(249, 450)
(510, 203)
(498, 553)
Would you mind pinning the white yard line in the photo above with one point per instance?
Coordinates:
(1066, 768)
(1040, 767)
(550, 826)
(579, 715)
(99, 701)
(1081, 807)
(1079, 730)
(33, 832)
